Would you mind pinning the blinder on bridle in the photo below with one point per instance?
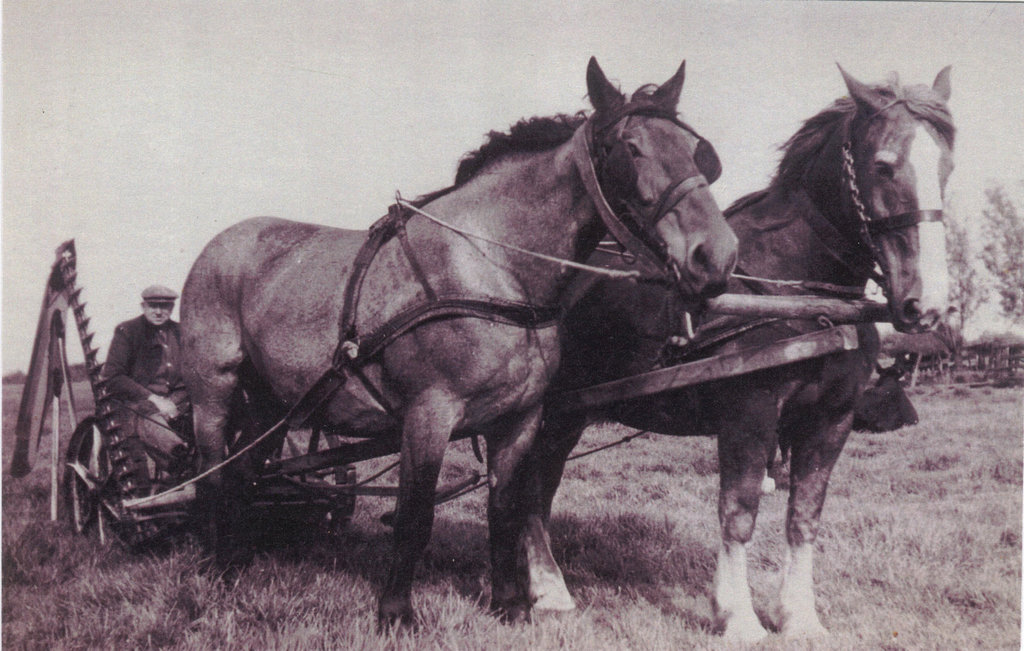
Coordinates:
(619, 170)
(619, 177)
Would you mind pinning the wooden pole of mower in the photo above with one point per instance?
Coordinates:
(61, 390)
(54, 457)
(800, 307)
(60, 383)
(786, 351)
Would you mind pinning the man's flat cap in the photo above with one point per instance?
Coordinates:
(159, 293)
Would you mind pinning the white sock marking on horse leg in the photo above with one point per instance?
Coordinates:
(547, 589)
(734, 608)
(795, 613)
(767, 485)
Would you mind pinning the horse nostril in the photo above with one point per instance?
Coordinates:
(699, 258)
(912, 309)
(713, 289)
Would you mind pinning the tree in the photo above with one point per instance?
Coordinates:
(1003, 254)
(966, 291)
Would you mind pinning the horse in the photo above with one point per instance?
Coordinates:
(859, 185)
(885, 406)
(449, 311)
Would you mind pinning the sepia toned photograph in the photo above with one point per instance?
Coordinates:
(467, 325)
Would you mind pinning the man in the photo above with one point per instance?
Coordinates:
(143, 372)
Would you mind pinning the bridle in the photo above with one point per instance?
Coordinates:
(633, 225)
(869, 225)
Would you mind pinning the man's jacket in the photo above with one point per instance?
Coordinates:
(143, 360)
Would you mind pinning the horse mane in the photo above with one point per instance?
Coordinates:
(743, 202)
(807, 149)
(528, 135)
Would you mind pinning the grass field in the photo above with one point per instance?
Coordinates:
(920, 549)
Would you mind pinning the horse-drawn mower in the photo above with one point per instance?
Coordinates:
(111, 486)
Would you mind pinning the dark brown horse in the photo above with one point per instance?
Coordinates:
(859, 185)
(465, 337)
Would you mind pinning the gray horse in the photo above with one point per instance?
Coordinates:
(260, 312)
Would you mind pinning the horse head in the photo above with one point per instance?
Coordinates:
(897, 160)
(654, 170)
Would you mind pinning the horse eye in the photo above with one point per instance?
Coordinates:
(885, 170)
(634, 151)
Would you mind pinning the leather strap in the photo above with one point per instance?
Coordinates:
(876, 226)
(583, 157)
(847, 250)
(674, 194)
(380, 232)
(514, 313)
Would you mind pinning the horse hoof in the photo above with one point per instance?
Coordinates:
(556, 601)
(800, 624)
(399, 617)
(511, 613)
(746, 630)
(803, 629)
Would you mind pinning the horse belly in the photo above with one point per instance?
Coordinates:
(490, 368)
(356, 409)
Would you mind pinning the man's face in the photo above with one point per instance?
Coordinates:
(157, 312)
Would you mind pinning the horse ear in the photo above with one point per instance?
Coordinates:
(667, 95)
(941, 85)
(867, 99)
(603, 96)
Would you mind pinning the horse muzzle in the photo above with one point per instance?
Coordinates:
(702, 261)
(911, 317)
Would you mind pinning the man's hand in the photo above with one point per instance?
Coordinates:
(165, 406)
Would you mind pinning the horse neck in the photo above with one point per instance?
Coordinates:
(535, 202)
(778, 242)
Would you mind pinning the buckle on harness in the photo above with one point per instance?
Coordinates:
(346, 353)
(349, 348)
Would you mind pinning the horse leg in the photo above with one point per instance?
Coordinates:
(814, 452)
(427, 425)
(509, 444)
(768, 483)
(745, 424)
(557, 438)
(210, 369)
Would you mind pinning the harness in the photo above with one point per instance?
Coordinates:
(859, 254)
(633, 227)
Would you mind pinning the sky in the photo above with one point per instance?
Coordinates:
(143, 128)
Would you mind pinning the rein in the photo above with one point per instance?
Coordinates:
(611, 273)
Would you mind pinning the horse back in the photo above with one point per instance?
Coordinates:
(270, 290)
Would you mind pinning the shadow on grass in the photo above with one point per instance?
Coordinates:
(643, 556)
(634, 553)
